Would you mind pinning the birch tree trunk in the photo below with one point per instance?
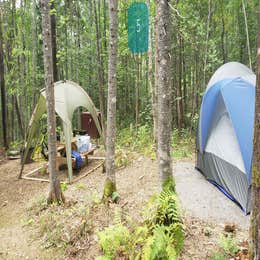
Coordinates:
(110, 184)
(55, 193)
(164, 88)
(254, 237)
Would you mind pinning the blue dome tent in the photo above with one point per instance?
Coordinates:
(225, 132)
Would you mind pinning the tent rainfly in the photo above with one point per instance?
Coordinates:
(68, 97)
(225, 132)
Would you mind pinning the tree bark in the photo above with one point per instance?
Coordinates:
(100, 70)
(2, 84)
(10, 64)
(224, 52)
(254, 237)
(34, 52)
(20, 122)
(179, 87)
(54, 44)
(247, 35)
(55, 193)
(207, 41)
(110, 184)
(155, 90)
(164, 88)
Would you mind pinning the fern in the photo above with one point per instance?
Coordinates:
(165, 210)
(165, 225)
(114, 239)
(159, 245)
(160, 237)
(228, 243)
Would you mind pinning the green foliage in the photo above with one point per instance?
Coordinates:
(183, 144)
(220, 256)
(132, 142)
(109, 188)
(228, 247)
(208, 231)
(114, 239)
(159, 245)
(161, 236)
(169, 184)
(115, 196)
(228, 243)
(103, 257)
(64, 186)
(15, 145)
(166, 212)
(80, 186)
(27, 222)
(38, 204)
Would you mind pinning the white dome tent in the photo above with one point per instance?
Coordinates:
(68, 97)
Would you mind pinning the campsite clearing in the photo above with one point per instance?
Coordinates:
(202, 204)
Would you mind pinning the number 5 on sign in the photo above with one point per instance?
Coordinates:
(138, 27)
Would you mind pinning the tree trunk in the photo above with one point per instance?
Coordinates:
(164, 88)
(207, 41)
(247, 35)
(224, 53)
(178, 87)
(54, 44)
(2, 84)
(55, 193)
(254, 237)
(34, 52)
(20, 122)
(100, 70)
(15, 105)
(155, 90)
(66, 42)
(110, 184)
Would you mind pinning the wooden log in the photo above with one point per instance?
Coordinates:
(88, 172)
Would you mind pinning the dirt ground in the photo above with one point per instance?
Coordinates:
(135, 184)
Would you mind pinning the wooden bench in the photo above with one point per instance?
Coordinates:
(61, 160)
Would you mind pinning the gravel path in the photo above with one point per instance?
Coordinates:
(201, 199)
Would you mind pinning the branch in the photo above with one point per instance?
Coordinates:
(176, 11)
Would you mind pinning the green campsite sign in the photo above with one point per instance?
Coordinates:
(138, 27)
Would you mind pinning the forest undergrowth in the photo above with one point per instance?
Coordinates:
(132, 142)
(70, 228)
